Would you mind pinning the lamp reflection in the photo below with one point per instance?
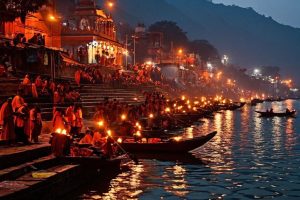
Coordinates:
(175, 181)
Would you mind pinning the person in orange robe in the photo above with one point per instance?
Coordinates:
(20, 124)
(78, 120)
(17, 101)
(7, 122)
(78, 77)
(38, 82)
(58, 120)
(70, 118)
(88, 138)
(35, 118)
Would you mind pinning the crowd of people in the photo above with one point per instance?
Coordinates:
(61, 92)
(20, 122)
(37, 38)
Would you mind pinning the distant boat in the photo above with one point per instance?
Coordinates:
(273, 114)
(254, 102)
(168, 146)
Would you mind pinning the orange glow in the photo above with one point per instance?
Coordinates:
(110, 4)
(168, 109)
(177, 139)
(123, 117)
(109, 133)
(151, 116)
(138, 133)
(58, 130)
(52, 18)
(101, 123)
(183, 98)
(180, 51)
(119, 140)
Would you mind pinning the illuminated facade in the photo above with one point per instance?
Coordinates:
(90, 36)
(37, 23)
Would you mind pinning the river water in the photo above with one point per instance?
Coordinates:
(250, 158)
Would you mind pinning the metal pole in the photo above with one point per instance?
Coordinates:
(126, 46)
(134, 50)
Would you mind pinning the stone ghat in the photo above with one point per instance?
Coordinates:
(32, 172)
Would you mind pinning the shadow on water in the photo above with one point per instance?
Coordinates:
(181, 158)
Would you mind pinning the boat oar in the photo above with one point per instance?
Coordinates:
(186, 124)
(132, 157)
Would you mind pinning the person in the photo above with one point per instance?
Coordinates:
(78, 77)
(35, 123)
(7, 122)
(70, 118)
(38, 82)
(88, 138)
(17, 101)
(271, 110)
(78, 120)
(58, 120)
(20, 120)
(287, 110)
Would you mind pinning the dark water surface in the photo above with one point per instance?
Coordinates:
(250, 158)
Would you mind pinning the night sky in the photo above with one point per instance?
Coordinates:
(283, 11)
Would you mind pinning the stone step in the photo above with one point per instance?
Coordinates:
(19, 170)
(12, 156)
(59, 181)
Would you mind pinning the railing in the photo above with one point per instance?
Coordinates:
(68, 31)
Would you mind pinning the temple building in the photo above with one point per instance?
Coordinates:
(89, 35)
(42, 27)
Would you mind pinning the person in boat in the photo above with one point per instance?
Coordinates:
(88, 137)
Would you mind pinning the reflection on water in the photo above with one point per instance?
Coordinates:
(250, 157)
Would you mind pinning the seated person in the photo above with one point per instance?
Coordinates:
(88, 138)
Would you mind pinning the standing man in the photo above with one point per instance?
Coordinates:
(20, 120)
(6, 122)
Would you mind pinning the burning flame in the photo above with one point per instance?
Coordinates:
(177, 139)
(101, 123)
(123, 117)
(109, 133)
(151, 116)
(138, 133)
(119, 140)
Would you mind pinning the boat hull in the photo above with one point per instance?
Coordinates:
(169, 146)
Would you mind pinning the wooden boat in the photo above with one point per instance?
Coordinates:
(254, 102)
(161, 133)
(273, 114)
(94, 164)
(167, 146)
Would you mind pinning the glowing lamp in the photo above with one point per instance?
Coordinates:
(64, 132)
(109, 133)
(177, 139)
(119, 140)
(138, 133)
(101, 123)
(168, 110)
(123, 117)
(58, 130)
(151, 116)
